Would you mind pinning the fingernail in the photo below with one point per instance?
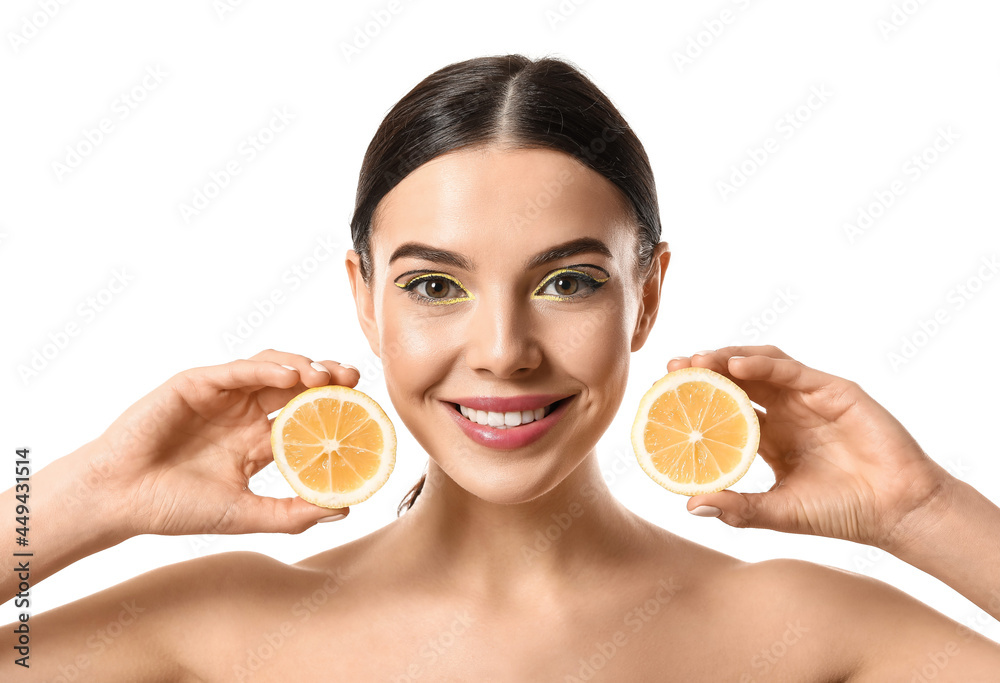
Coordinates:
(319, 366)
(676, 358)
(735, 357)
(705, 353)
(332, 518)
(706, 511)
(350, 367)
(289, 367)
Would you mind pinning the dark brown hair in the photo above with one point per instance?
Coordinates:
(515, 102)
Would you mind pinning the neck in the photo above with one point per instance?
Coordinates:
(575, 529)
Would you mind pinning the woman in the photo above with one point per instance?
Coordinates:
(507, 257)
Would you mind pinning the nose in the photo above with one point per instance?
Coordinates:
(501, 337)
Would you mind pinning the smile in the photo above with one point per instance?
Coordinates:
(506, 427)
(511, 418)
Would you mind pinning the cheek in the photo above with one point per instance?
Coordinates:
(414, 353)
(593, 344)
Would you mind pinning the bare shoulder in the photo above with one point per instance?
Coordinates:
(192, 587)
(241, 585)
(220, 571)
(140, 629)
(250, 609)
(869, 629)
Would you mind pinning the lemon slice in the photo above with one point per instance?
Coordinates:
(334, 445)
(695, 432)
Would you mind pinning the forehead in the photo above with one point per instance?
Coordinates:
(497, 201)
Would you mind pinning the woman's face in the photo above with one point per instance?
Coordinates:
(505, 282)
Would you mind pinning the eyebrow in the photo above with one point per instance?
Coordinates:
(451, 258)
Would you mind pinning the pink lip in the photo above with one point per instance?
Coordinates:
(512, 437)
(497, 404)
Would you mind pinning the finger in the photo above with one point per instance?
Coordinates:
(312, 374)
(786, 373)
(271, 400)
(342, 373)
(260, 514)
(242, 374)
(285, 357)
(765, 350)
(769, 510)
(719, 357)
(678, 363)
(759, 393)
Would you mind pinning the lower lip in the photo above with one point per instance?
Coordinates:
(512, 437)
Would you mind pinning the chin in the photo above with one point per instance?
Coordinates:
(508, 483)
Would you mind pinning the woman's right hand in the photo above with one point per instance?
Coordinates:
(179, 460)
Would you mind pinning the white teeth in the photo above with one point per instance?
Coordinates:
(512, 418)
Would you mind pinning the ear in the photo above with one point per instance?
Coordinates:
(363, 300)
(651, 289)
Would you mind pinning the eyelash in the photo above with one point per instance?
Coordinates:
(410, 287)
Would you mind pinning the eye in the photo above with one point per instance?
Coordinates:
(562, 285)
(435, 288)
(569, 284)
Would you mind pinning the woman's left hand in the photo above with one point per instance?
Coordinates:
(844, 467)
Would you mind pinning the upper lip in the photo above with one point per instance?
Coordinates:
(499, 404)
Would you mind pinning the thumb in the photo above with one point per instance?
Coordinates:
(753, 510)
(261, 514)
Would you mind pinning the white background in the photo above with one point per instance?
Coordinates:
(893, 86)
